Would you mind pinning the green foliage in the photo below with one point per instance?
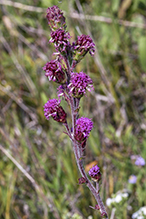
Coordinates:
(40, 146)
(142, 51)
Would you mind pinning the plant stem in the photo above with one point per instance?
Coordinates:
(79, 161)
(77, 147)
(89, 184)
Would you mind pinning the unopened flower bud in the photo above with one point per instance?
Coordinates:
(97, 207)
(104, 214)
(82, 180)
(55, 18)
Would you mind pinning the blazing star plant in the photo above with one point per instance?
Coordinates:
(72, 87)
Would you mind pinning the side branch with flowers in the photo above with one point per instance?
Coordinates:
(73, 87)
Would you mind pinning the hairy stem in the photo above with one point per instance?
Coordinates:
(77, 147)
(88, 182)
(79, 161)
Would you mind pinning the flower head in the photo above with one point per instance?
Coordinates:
(60, 38)
(95, 174)
(54, 71)
(117, 198)
(109, 201)
(140, 161)
(79, 83)
(140, 214)
(55, 18)
(132, 179)
(84, 44)
(52, 108)
(83, 129)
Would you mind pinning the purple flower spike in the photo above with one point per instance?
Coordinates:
(140, 161)
(55, 18)
(132, 179)
(60, 38)
(54, 72)
(79, 83)
(95, 174)
(52, 108)
(83, 129)
(84, 44)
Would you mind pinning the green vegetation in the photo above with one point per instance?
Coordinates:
(117, 106)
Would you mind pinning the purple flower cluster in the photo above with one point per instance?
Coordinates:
(52, 108)
(83, 128)
(84, 44)
(54, 72)
(132, 179)
(95, 174)
(140, 161)
(55, 17)
(79, 83)
(73, 87)
(60, 38)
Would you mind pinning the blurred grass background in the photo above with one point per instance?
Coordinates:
(38, 173)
